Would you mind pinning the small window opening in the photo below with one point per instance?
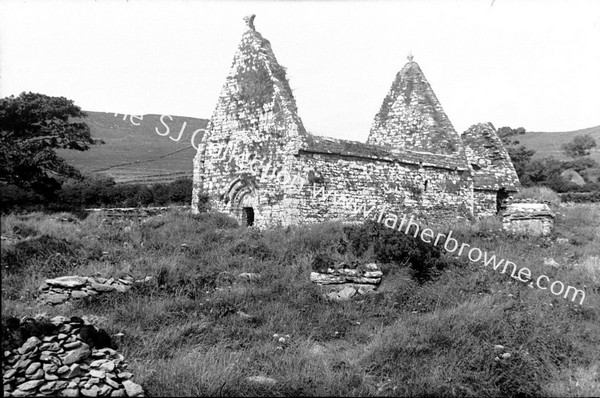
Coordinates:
(248, 213)
(426, 182)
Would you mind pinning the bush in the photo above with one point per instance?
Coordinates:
(580, 197)
(180, 190)
(12, 196)
(393, 247)
(100, 191)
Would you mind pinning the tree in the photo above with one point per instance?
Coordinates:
(519, 155)
(32, 126)
(580, 146)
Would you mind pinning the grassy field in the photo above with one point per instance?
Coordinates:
(133, 154)
(548, 144)
(196, 329)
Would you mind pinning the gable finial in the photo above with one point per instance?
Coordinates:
(250, 21)
(410, 56)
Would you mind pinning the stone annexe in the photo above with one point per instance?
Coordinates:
(413, 161)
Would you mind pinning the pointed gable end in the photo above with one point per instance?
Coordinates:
(489, 160)
(256, 98)
(412, 118)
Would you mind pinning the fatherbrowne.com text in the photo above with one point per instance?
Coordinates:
(451, 245)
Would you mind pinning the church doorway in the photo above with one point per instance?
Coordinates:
(501, 197)
(248, 216)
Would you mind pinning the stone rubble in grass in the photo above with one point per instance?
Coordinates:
(59, 290)
(550, 262)
(344, 282)
(44, 365)
(262, 380)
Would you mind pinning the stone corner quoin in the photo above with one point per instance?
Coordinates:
(257, 162)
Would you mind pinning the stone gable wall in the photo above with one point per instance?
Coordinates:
(491, 164)
(255, 121)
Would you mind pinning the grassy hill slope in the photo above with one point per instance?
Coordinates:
(134, 153)
(548, 144)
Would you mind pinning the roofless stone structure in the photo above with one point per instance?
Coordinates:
(258, 163)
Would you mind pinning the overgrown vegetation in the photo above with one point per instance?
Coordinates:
(98, 192)
(541, 194)
(547, 171)
(32, 127)
(432, 328)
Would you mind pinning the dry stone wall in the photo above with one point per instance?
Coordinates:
(64, 357)
(59, 290)
(345, 281)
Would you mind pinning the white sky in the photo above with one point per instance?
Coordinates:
(534, 64)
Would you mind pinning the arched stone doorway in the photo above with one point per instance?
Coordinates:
(243, 201)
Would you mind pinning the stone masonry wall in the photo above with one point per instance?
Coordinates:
(484, 202)
(255, 121)
(491, 164)
(347, 184)
(411, 117)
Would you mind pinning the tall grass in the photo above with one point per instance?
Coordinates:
(539, 193)
(198, 329)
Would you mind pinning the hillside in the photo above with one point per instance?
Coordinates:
(548, 144)
(133, 153)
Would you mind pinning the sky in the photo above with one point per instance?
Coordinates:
(534, 64)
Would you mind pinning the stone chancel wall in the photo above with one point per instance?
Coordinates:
(258, 163)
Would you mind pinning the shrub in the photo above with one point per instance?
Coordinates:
(12, 196)
(580, 197)
(100, 191)
(393, 247)
(180, 190)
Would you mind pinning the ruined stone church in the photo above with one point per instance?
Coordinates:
(257, 162)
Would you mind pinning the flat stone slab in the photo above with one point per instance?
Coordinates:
(68, 281)
(327, 279)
